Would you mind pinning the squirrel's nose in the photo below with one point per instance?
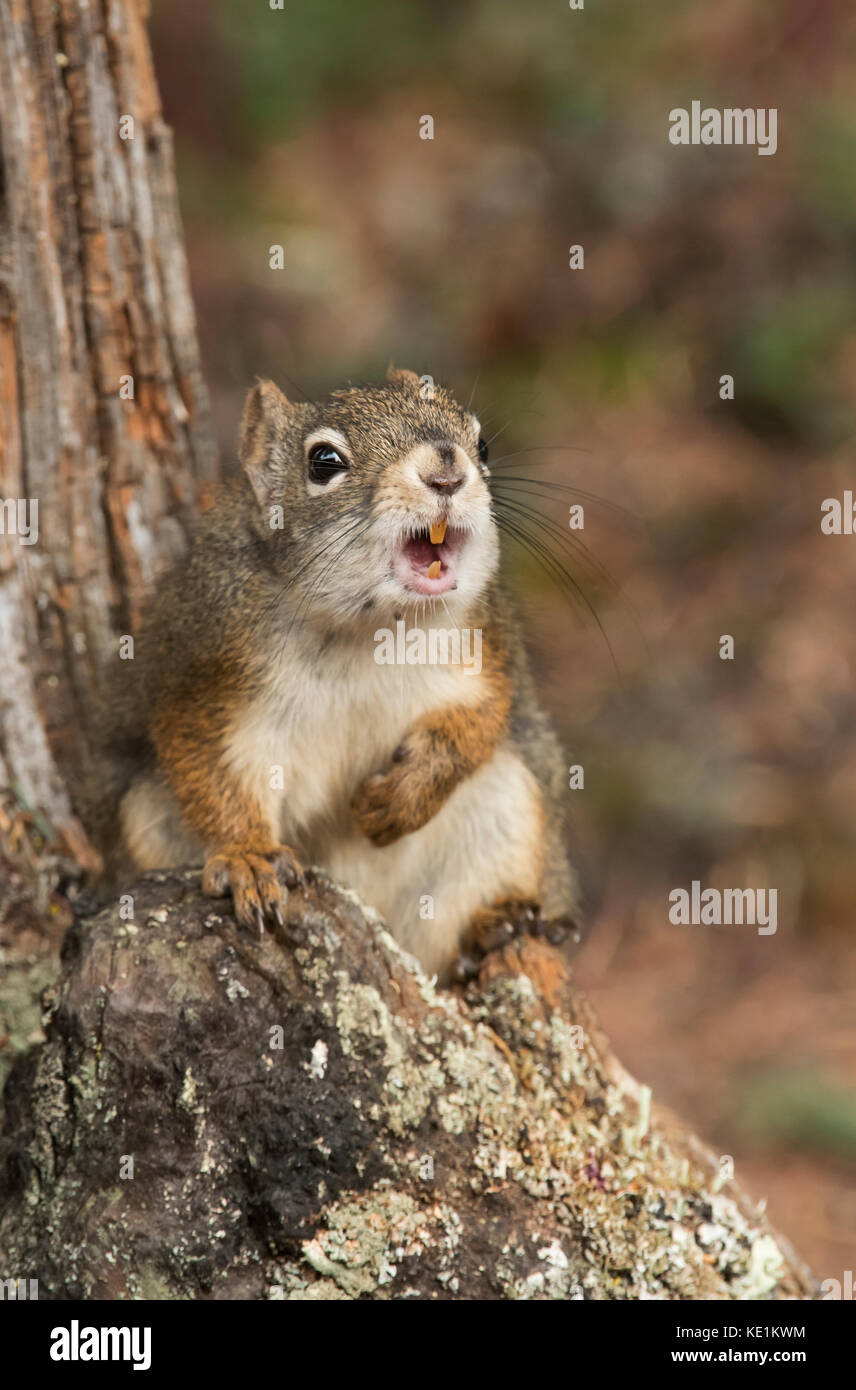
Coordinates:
(445, 483)
(445, 476)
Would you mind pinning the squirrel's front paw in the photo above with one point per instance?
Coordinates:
(390, 804)
(252, 873)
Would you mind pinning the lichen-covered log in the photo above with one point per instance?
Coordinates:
(307, 1117)
(33, 920)
(105, 444)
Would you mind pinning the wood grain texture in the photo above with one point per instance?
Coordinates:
(93, 287)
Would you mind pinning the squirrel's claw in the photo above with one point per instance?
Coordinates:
(465, 968)
(287, 867)
(251, 873)
(558, 930)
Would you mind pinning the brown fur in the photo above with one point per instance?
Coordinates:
(189, 742)
(441, 749)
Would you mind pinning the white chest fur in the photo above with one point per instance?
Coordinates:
(325, 720)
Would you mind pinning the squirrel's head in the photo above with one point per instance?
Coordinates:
(375, 499)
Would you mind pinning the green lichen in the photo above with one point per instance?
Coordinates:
(367, 1243)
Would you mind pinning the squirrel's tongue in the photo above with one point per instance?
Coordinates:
(428, 562)
(420, 553)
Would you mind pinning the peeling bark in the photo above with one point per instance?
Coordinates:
(393, 1141)
(93, 288)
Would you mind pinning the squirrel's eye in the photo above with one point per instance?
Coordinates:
(324, 463)
(482, 449)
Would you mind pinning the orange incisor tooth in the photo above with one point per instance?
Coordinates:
(438, 534)
(434, 569)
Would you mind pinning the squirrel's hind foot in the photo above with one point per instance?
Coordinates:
(494, 927)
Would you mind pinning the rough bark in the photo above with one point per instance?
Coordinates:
(392, 1141)
(93, 288)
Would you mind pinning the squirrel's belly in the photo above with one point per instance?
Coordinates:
(304, 754)
(485, 843)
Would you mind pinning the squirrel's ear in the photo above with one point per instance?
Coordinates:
(267, 415)
(402, 376)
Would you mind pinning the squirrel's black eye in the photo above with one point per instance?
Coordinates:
(482, 448)
(324, 463)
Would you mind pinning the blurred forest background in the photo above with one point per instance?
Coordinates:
(301, 127)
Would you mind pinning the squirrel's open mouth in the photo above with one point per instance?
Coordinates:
(426, 560)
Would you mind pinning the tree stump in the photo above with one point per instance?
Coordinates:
(306, 1116)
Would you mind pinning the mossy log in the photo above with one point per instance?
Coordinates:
(306, 1116)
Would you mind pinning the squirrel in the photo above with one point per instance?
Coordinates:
(266, 733)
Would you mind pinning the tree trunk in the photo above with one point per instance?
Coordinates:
(94, 306)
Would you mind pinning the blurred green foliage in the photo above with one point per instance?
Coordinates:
(587, 95)
(800, 1108)
(331, 56)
